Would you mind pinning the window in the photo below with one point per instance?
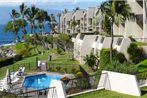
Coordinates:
(119, 41)
(82, 36)
(96, 38)
(102, 40)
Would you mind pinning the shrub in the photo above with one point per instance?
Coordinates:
(73, 70)
(58, 68)
(59, 51)
(25, 53)
(65, 79)
(136, 54)
(23, 49)
(65, 70)
(6, 61)
(18, 57)
(91, 60)
(142, 75)
(116, 66)
(105, 57)
(121, 57)
(79, 75)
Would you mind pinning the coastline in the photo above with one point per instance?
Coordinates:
(7, 44)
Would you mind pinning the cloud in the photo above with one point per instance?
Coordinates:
(18, 2)
(38, 2)
(76, 1)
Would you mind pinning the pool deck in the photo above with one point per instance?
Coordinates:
(17, 86)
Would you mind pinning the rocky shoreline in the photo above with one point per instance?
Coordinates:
(7, 52)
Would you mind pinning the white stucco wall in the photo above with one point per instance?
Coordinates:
(76, 46)
(123, 47)
(135, 7)
(133, 29)
(86, 47)
(122, 83)
(59, 89)
(121, 30)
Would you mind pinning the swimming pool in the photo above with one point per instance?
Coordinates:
(39, 81)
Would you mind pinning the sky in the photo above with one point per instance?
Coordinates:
(52, 6)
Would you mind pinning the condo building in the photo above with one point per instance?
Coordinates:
(90, 36)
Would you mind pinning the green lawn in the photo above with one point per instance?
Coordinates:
(141, 43)
(105, 94)
(88, 69)
(30, 62)
(142, 66)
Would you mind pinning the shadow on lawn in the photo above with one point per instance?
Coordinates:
(143, 92)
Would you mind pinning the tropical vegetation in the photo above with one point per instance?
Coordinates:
(35, 17)
(113, 15)
(136, 54)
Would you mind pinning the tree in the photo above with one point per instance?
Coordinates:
(52, 23)
(22, 24)
(41, 17)
(116, 12)
(34, 41)
(62, 41)
(106, 25)
(13, 26)
(77, 8)
(31, 16)
(65, 11)
(23, 11)
(91, 60)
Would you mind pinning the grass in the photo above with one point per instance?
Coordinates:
(105, 94)
(142, 66)
(30, 62)
(88, 69)
(141, 43)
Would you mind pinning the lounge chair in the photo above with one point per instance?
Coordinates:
(15, 76)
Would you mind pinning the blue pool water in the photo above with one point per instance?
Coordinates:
(39, 81)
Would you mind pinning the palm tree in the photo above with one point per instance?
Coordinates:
(117, 12)
(23, 11)
(14, 15)
(41, 17)
(31, 16)
(77, 8)
(65, 11)
(13, 26)
(91, 60)
(52, 23)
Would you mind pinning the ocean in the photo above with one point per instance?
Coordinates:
(8, 37)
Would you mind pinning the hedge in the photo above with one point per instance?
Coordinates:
(6, 61)
(105, 57)
(18, 57)
(136, 54)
